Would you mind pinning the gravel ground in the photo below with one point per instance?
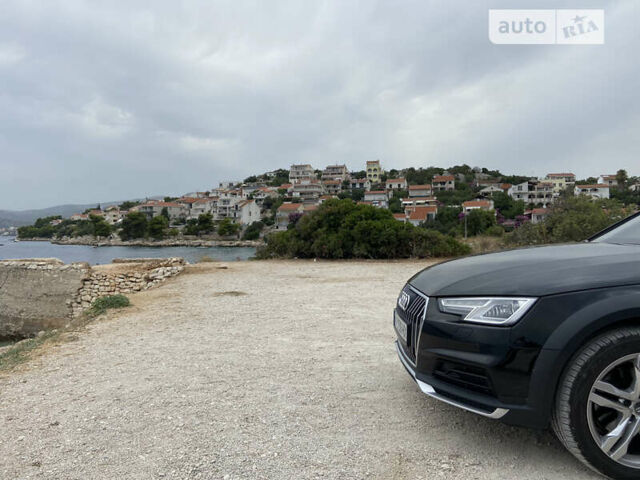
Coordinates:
(273, 370)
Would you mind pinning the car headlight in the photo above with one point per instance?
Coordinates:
(487, 310)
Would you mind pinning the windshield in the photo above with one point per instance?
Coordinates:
(627, 233)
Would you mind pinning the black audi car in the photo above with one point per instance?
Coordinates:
(536, 337)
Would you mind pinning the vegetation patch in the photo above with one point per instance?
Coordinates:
(102, 304)
(343, 229)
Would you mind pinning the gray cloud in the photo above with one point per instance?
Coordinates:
(109, 100)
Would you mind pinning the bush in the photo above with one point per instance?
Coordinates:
(227, 228)
(102, 304)
(253, 231)
(134, 225)
(571, 219)
(342, 229)
(495, 231)
(158, 226)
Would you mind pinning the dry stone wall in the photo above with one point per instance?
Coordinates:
(101, 284)
(43, 294)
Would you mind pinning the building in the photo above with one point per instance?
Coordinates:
(175, 210)
(396, 184)
(263, 192)
(113, 215)
(539, 215)
(533, 192)
(284, 212)
(374, 171)
(419, 201)
(361, 183)
(332, 187)
(567, 177)
(599, 190)
(378, 198)
(202, 206)
(301, 172)
(308, 190)
(418, 215)
(609, 180)
(246, 212)
(420, 190)
(443, 182)
(400, 216)
(491, 189)
(79, 216)
(335, 172)
(471, 205)
(561, 181)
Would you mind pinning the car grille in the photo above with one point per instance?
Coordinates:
(466, 376)
(413, 315)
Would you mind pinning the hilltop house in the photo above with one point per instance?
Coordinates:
(486, 205)
(308, 190)
(362, 183)
(154, 208)
(301, 172)
(533, 192)
(378, 198)
(396, 184)
(599, 190)
(374, 171)
(418, 215)
(285, 211)
(335, 172)
(419, 201)
(420, 190)
(332, 187)
(443, 182)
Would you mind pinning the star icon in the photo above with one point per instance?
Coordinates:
(578, 19)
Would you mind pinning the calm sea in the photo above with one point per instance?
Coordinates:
(100, 255)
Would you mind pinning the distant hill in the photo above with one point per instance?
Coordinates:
(18, 218)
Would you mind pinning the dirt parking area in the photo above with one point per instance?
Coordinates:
(264, 370)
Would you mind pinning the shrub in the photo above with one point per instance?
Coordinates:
(158, 226)
(253, 231)
(134, 225)
(495, 231)
(102, 304)
(227, 228)
(342, 229)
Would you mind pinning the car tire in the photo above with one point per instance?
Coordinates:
(595, 412)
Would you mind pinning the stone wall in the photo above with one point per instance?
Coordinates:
(34, 294)
(42, 294)
(141, 275)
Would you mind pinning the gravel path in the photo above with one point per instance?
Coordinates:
(266, 370)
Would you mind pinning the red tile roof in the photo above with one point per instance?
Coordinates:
(289, 207)
(421, 213)
(419, 187)
(444, 178)
(396, 180)
(477, 203)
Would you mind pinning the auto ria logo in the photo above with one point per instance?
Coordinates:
(546, 27)
(403, 301)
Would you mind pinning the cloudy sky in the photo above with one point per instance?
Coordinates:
(109, 100)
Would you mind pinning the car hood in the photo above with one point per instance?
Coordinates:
(534, 271)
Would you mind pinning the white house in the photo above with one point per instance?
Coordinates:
(420, 190)
(418, 215)
(539, 215)
(378, 198)
(360, 183)
(599, 190)
(609, 180)
(396, 184)
(477, 205)
(301, 172)
(443, 182)
(285, 211)
(246, 212)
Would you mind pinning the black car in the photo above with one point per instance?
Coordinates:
(537, 336)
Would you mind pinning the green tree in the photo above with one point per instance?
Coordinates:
(253, 231)
(158, 227)
(227, 228)
(205, 223)
(134, 225)
(478, 221)
(191, 227)
(128, 205)
(165, 213)
(622, 179)
(100, 227)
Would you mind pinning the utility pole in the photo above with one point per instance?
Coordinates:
(465, 225)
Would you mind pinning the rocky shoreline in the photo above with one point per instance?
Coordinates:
(116, 242)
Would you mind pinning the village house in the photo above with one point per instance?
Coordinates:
(79, 216)
(154, 208)
(396, 184)
(596, 191)
(400, 216)
(420, 190)
(491, 189)
(470, 205)
(374, 171)
(378, 198)
(113, 215)
(533, 192)
(419, 201)
(308, 190)
(561, 181)
(335, 172)
(610, 180)
(202, 206)
(332, 187)
(418, 215)
(263, 192)
(443, 182)
(285, 211)
(246, 212)
(538, 215)
(301, 172)
(361, 183)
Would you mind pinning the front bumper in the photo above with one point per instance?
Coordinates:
(427, 389)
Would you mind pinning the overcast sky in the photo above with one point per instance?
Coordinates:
(112, 100)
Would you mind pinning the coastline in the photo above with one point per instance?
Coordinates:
(116, 242)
